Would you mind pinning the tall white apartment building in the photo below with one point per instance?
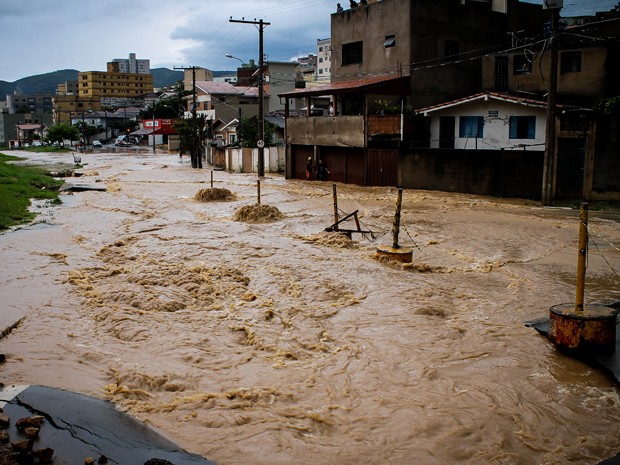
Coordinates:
(324, 60)
(132, 65)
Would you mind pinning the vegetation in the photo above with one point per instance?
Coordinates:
(59, 133)
(248, 132)
(610, 106)
(19, 184)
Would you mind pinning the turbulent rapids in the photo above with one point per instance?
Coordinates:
(251, 336)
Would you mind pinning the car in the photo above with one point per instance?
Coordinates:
(97, 144)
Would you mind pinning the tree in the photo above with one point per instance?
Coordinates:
(60, 132)
(248, 132)
(87, 131)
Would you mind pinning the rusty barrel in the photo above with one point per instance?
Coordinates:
(398, 254)
(593, 328)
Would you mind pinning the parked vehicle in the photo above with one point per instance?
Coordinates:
(97, 144)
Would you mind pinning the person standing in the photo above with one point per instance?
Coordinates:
(322, 171)
(309, 169)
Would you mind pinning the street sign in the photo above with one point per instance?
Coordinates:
(260, 144)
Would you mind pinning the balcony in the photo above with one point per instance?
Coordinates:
(340, 131)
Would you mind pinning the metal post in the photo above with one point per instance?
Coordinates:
(153, 129)
(258, 190)
(335, 195)
(582, 257)
(211, 179)
(396, 225)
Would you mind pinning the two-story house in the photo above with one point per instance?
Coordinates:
(389, 58)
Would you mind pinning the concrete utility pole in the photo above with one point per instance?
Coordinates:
(195, 156)
(549, 168)
(261, 112)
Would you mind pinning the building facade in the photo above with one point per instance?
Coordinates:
(324, 60)
(132, 65)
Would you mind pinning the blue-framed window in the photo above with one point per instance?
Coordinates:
(522, 127)
(471, 126)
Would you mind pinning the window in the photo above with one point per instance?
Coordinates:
(321, 71)
(390, 41)
(320, 49)
(522, 127)
(352, 53)
(471, 126)
(570, 62)
(521, 65)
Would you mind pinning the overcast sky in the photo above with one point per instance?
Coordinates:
(40, 36)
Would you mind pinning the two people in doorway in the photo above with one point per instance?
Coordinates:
(321, 170)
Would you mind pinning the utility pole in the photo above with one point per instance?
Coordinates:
(261, 112)
(549, 168)
(196, 158)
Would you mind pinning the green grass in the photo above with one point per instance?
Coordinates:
(47, 149)
(19, 184)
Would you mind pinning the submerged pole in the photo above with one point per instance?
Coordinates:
(258, 190)
(335, 195)
(396, 225)
(211, 179)
(575, 326)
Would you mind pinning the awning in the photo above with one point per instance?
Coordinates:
(381, 84)
(143, 132)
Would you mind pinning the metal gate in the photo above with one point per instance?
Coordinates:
(570, 169)
(382, 168)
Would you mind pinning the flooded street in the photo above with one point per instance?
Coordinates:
(274, 343)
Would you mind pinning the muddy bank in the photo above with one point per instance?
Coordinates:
(273, 343)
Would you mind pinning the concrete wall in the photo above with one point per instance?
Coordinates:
(342, 131)
(596, 78)
(496, 132)
(239, 159)
(497, 173)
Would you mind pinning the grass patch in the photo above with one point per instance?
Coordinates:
(19, 184)
(47, 149)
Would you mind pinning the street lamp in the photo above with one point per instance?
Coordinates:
(228, 55)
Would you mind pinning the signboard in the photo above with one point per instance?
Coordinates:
(260, 144)
(494, 114)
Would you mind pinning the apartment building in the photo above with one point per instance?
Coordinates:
(324, 60)
(132, 65)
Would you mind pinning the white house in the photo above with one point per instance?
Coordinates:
(488, 121)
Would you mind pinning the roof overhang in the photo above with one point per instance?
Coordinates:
(388, 85)
(485, 96)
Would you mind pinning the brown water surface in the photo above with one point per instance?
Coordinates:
(270, 342)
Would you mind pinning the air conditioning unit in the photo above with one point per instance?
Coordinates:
(552, 4)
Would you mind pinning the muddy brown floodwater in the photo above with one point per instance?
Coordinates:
(269, 342)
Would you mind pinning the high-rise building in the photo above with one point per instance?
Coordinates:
(324, 59)
(132, 65)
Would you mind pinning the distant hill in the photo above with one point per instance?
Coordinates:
(48, 83)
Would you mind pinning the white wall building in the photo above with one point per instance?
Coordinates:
(324, 60)
(132, 65)
(488, 121)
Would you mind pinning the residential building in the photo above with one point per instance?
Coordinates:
(589, 66)
(438, 41)
(279, 77)
(389, 58)
(22, 127)
(131, 65)
(324, 60)
(39, 103)
(97, 90)
(223, 101)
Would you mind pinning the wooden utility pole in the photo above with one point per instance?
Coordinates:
(261, 112)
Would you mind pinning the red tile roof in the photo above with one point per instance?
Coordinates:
(344, 86)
